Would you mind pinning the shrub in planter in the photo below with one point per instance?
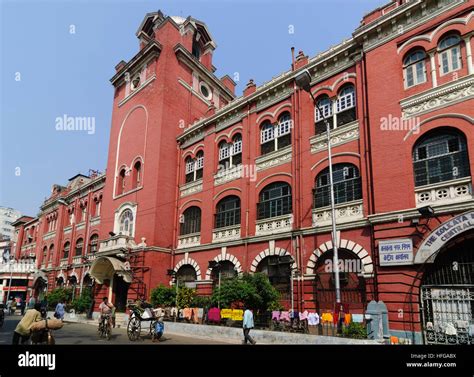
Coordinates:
(355, 330)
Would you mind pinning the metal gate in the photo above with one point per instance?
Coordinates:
(447, 296)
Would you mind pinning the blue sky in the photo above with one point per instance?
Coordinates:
(47, 71)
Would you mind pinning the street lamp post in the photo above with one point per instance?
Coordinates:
(10, 262)
(303, 81)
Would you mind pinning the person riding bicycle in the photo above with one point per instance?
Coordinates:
(107, 309)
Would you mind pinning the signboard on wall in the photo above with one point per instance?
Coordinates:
(443, 234)
(396, 252)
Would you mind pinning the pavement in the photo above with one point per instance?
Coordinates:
(86, 334)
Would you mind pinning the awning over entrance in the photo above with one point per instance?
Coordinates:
(40, 278)
(105, 267)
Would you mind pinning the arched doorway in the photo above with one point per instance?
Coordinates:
(40, 288)
(120, 292)
(227, 271)
(352, 283)
(186, 276)
(60, 282)
(278, 270)
(73, 285)
(447, 294)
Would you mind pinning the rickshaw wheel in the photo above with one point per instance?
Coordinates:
(134, 328)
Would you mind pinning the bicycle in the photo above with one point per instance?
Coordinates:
(105, 328)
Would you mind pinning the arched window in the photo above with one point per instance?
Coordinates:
(228, 212)
(186, 274)
(226, 269)
(414, 68)
(137, 174)
(278, 270)
(230, 154)
(121, 182)
(60, 282)
(323, 110)
(275, 200)
(67, 247)
(126, 223)
(277, 136)
(79, 247)
(440, 156)
(196, 48)
(194, 167)
(45, 254)
(449, 52)
(345, 105)
(347, 185)
(191, 221)
(94, 243)
(51, 252)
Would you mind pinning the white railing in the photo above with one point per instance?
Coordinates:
(77, 260)
(345, 212)
(63, 262)
(274, 225)
(114, 243)
(444, 192)
(17, 266)
(95, 221)
(49, 235)
(226, 234)
(191, 188)
(189, 240)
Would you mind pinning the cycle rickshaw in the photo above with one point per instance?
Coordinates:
(139, 315)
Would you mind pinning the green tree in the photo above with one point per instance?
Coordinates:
(82, 303)
(58, 294)
(163, 296)
(253, 290)
(185, 297)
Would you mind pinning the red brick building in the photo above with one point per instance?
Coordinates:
(195, 174)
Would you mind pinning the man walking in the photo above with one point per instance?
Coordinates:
(248, 324)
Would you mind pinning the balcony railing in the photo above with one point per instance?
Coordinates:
(444, 192)
(274, 225)
(191, 188)
(115, 243)
(77, 259)
(63, 262)
(226, 234)
(189, 240)
(345, 212)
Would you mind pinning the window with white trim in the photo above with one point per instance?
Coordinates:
(449, 50)
(414, 68)
(274, 137)
(126, 223)
(194, 167)
(230, 154)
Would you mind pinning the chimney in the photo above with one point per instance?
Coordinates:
(250, 88)
(229, 83)
(301, 60)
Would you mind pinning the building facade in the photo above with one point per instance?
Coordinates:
(201, 183)
(7, 217)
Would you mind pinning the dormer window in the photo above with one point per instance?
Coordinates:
(197, 46)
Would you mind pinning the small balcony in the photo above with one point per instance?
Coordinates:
(191, 188)
(95, 221)
(189, 240)
(274, 225)
(444, 193)
(226, 234)
(77, 259)
(63, 262)
(116, 243)
(345, 213)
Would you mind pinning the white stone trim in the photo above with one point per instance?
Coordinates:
(191, 262)
(225, 257)
(266, 253)
(340, 135)
(357, 249)
(448, 192)
(275, 158)
(191, 188)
